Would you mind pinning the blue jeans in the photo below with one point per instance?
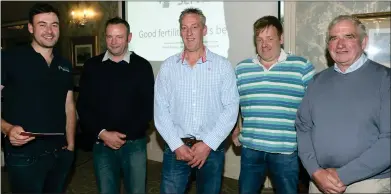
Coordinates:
(131, 158)
(175, 175)
(284, 171)
(43, 173)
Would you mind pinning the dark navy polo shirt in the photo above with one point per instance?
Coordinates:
(34, 96)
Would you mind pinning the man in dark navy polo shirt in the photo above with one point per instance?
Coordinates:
(37, 91)
(115, 106)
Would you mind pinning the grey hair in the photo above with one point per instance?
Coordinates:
(192, 10)
(360, 27)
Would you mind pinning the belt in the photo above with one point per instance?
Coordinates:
(190, 141)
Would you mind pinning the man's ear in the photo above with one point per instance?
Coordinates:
(30, 27)
(364, 42)
(129, 37)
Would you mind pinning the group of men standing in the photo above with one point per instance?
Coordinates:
(337, 121)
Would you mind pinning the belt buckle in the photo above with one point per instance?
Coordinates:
(190, 141)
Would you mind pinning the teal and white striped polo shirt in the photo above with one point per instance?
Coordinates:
(269, 100)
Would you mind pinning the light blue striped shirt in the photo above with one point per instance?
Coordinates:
(269, 99)
(200, 101)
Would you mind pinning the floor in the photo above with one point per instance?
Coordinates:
(82, 180)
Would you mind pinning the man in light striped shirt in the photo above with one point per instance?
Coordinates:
(271, 86)
(196, 106)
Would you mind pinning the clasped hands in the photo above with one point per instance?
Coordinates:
(113, 139)
(195, 156)
(328, 181)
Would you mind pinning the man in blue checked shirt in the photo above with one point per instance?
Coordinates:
(196, 106)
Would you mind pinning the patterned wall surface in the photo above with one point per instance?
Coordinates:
(312, 19)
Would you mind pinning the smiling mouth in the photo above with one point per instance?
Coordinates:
(49, 37)
(341, 52)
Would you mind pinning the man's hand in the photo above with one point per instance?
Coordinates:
(183, 153)
(69, 147)
(16, 138)
(113, 139)
(200, 153)
(321, 178)
(334, 178)
(235, 136)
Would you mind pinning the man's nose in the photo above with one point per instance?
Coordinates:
(189, 32)
(340, 42)
(49, 29)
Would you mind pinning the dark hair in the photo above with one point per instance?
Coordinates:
(39, 8)
(266, 21)
(118, 20)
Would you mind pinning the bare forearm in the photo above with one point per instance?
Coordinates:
(5, 126)
(239, 123)
(71, 126)
(70, 112)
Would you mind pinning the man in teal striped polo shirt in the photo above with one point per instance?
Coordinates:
(271, 86)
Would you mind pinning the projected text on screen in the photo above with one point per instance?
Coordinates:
(156, 31)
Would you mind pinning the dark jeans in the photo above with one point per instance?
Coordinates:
(175, 175)
(131, 158)
(44, 173)
(284, 171)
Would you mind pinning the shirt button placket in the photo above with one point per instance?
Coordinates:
(193, 99)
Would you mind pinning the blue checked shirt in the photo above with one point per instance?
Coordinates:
(200, 101)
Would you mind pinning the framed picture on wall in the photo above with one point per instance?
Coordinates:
(378, 30)
(83, 48)
(82, 53)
